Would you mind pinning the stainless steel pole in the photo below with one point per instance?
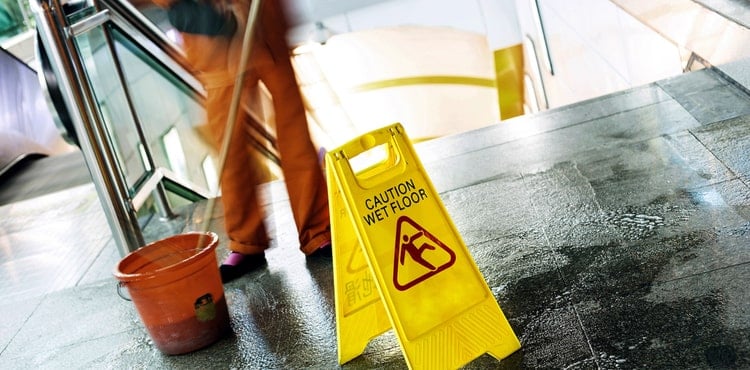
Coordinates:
(81, 104)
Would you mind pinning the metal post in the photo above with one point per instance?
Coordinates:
(81, 103)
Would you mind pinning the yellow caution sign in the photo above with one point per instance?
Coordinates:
(400, 263)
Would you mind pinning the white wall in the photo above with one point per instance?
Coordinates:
(427, 110)
(596, 48)
(493, 18)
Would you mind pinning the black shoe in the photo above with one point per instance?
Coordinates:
(241, 265)
(326, 251)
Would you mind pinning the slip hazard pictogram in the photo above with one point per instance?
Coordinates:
(419, 254)
(427, 288)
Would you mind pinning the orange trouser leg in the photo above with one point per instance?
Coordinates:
(243, 172)
(303, 176)
(244, 169)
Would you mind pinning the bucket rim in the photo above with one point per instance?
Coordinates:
(212, 243)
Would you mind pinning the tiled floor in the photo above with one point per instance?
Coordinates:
(614, 233)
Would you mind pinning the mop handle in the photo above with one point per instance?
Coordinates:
(233, 109)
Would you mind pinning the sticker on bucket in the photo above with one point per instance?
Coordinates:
(205, 310)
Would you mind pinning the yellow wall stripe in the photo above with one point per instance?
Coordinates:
(424, 80)
(509, 65)
(509, 74)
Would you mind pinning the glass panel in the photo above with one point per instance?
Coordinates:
(213, 181)
(175, 153)
(170, 112)
(15, 18)
(113, 106)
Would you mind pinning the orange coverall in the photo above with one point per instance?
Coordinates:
(216, 59)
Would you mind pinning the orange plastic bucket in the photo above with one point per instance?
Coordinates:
(177, 291)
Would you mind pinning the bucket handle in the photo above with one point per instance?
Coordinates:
(120, 284)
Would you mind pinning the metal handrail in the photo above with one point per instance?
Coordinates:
(537, 72)
(537, 14)
(132, 15)
(57, 37)
(153, 40)
(78, 97)
(125, 13)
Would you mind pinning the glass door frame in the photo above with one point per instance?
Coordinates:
(119, 202)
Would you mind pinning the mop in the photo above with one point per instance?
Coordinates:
(183, 323)
(232, 117)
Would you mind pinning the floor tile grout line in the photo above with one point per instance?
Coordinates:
(731, 80)
(703, 273)
(100, 254)
(719, 75)
(569, 126)
(736, 176)
(562, 278)
(25, 321)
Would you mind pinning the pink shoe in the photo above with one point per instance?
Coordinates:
(238, 264)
